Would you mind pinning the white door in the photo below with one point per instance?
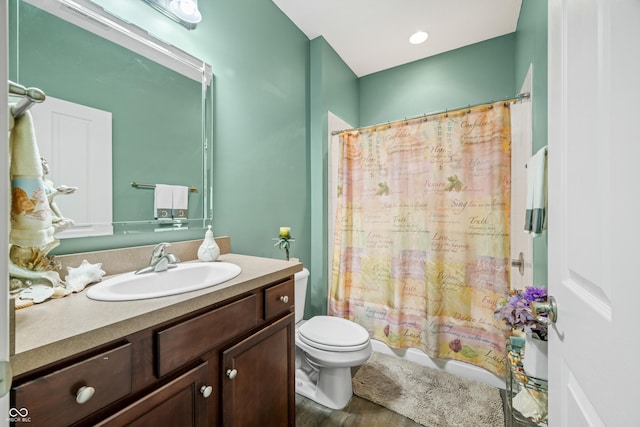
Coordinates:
(594, 173)
(76, 142)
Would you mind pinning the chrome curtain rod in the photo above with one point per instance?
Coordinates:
(518, 97)
(30, 96)
(140, 185)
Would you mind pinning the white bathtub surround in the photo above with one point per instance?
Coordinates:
(451, 366)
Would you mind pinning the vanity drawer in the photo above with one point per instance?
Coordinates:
(51, 400)
(188, 340)
(278, 299)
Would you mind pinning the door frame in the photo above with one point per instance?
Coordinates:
(4, 207)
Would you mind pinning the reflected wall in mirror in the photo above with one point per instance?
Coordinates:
(159, 99)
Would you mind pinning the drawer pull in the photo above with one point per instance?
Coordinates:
(84, 394)
(206, 390)
(284, 299)
(231, 373)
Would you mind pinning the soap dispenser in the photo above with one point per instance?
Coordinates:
(208, 250)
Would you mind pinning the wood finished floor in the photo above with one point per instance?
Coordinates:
(358, 413)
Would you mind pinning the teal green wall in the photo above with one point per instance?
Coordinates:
(531, 48)
(260, 174)
(470, 75)
(273, 89)
(333, 87)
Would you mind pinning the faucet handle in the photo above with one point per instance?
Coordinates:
(158, 250)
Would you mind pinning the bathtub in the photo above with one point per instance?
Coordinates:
(452, 366)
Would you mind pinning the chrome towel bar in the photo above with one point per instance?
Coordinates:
(140, 185)
(29, 96)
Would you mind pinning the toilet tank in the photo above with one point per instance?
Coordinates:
(300, 279)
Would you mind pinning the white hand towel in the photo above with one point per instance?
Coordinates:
(30, 211)
(163, 201)
(180, 202)
(536, 213)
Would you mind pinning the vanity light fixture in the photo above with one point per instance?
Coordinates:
(184, 12)
(418, 37)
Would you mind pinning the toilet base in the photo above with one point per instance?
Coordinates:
(324, 375)
(330, 387)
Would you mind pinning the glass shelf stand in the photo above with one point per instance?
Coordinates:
(516, 381)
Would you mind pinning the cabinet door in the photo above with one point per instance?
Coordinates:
(179, 403)
(258, 377)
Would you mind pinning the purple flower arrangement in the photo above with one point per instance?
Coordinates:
(517, 314)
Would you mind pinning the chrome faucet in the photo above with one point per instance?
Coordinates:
(160, 260)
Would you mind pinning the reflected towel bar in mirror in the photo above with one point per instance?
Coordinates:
(140, 185)
(30, 96)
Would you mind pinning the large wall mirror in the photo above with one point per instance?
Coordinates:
(152, 102)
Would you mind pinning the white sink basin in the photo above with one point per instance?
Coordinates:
(185, 277)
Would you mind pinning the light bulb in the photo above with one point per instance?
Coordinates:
(187, 7)
(187, 10)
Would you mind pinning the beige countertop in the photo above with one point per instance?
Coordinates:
(60, 328)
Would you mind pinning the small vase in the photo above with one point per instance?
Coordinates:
(534, 360)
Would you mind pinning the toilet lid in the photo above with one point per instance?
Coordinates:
(333, 333)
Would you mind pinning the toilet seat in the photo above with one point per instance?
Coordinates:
(333, 334)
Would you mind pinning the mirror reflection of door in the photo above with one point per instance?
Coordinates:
(76, 142)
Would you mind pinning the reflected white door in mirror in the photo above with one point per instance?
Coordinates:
(76, 142)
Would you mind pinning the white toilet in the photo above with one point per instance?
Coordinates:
(326, 349)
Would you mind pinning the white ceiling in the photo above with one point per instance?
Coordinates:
(373, 35)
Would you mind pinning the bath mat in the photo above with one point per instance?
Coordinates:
(428, 396)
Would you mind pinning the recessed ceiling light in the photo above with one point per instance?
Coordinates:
(418, 37)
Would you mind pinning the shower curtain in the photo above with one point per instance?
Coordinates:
(421, 237)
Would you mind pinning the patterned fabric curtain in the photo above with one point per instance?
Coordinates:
(421, 241)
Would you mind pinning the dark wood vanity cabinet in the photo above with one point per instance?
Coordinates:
(180, 403)
(232, 364)
(258, 377)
